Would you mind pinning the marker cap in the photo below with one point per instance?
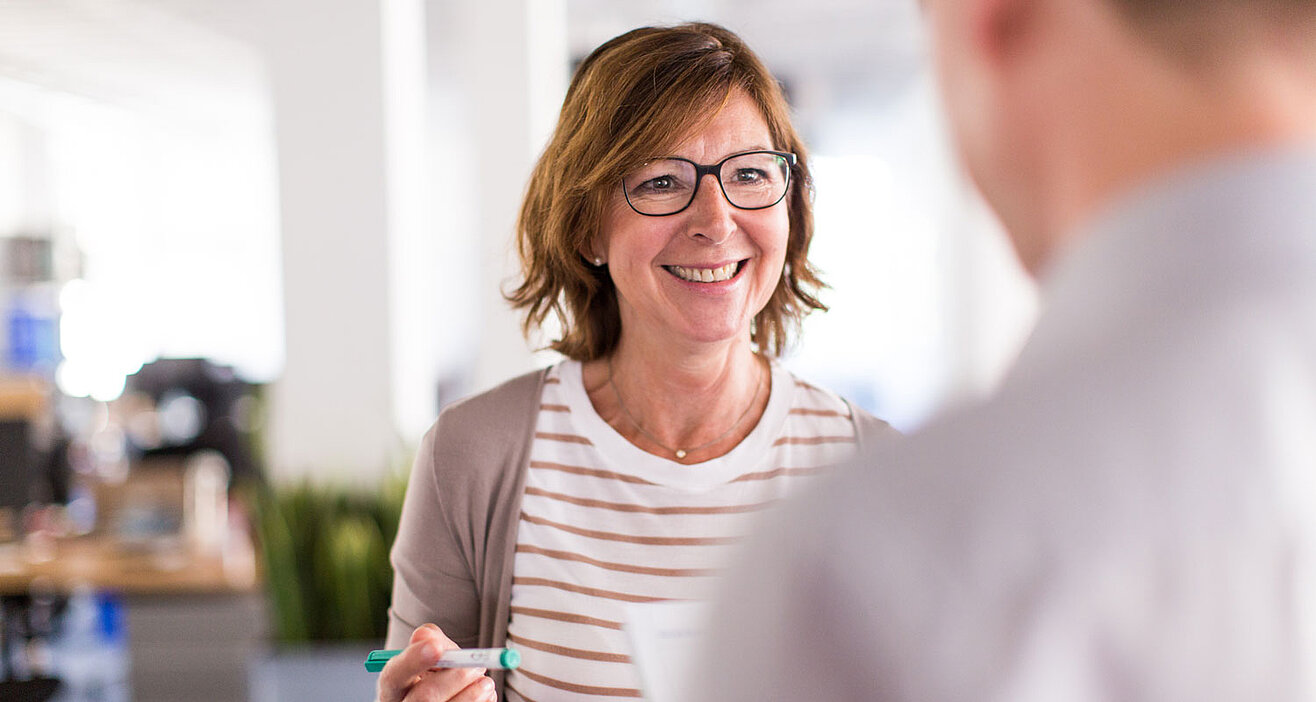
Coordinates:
(510, 659)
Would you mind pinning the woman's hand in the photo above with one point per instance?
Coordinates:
(409, 676)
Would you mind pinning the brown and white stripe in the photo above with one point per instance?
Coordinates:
(605, 526)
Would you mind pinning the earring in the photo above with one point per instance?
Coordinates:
(598, 261)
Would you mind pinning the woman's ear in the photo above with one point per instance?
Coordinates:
(592, 257)
(1002, 29)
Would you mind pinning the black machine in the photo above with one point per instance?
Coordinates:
(205, 406)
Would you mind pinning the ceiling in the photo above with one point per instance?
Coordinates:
(853, 39)
(199, 57)
(128, 53)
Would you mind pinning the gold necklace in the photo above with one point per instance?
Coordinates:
(678, 452)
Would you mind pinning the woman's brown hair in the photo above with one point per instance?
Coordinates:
(631, 99)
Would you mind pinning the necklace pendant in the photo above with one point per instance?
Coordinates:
(680, 453)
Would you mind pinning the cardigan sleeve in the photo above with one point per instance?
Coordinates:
(432, 577)
(456, 538)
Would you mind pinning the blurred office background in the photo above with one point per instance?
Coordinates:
(262, 242)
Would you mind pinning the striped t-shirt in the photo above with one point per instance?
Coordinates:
(605, 524)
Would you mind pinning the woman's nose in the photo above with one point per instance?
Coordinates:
(710, 213)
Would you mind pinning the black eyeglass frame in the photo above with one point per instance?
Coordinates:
(715, 170)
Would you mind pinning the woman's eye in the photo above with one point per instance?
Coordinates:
(658, 184)
(749, 175)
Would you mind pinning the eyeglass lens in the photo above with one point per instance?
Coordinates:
(667, 185)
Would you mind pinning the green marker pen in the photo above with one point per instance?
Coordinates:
(506, 658)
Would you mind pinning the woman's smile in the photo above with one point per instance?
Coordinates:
(705, 275)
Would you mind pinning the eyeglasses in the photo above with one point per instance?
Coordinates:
(754, 180)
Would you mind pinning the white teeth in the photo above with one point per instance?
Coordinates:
(723, 273)
(704, 275)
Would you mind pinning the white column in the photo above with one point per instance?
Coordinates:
(345, 77)
(416, 264)
(516, 69)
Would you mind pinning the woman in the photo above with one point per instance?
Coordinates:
(538, 511)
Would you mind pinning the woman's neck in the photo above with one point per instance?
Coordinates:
(689, 406)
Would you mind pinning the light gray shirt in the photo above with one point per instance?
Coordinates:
(1132, 516)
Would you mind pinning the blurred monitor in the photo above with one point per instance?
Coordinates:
(15, 463)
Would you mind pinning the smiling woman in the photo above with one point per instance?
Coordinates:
(667, 225)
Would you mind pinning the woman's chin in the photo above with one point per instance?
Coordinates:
(711, 333)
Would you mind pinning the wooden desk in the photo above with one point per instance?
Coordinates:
(106, 564)
(194, 622)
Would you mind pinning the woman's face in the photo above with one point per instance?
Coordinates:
(655, 261)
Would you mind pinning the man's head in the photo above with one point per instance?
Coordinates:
(1059, 105)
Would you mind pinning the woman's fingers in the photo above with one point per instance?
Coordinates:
(481, 690)
(405, 670)
(432, 632)
(452, 685)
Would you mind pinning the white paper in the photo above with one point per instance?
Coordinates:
(664, 637)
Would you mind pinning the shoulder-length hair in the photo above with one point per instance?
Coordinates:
(632, 98)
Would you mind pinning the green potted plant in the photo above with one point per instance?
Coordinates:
(324, 550)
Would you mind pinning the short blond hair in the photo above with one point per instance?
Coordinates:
(632, 98)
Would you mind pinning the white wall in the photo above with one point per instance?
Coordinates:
(147, 164)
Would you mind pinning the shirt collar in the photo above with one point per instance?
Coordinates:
(1179, 242)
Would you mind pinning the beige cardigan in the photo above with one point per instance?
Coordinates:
(452, 560)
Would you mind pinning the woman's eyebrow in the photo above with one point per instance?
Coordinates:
(727, 155)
